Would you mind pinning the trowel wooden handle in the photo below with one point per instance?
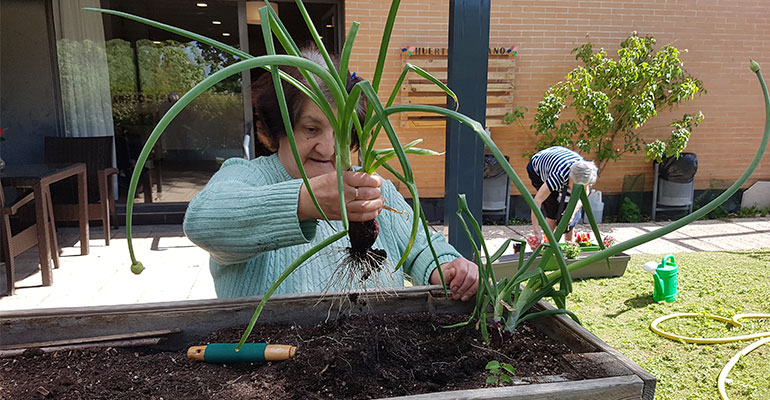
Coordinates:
(250, 352)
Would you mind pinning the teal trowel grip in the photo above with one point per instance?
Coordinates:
(249, 353)
(225, 353)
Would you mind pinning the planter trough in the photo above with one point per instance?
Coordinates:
(506, 266)
(185, 322)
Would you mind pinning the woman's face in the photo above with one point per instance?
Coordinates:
(315, 143)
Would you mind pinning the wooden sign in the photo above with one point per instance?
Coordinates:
(443, 51)
(417, 90)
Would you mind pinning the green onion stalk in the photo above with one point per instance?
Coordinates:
(340, 112)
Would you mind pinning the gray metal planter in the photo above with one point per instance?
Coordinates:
(194, 320)
(506, 266)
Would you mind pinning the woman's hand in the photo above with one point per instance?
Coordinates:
(363, 197)
(461, 277)
(534, 241)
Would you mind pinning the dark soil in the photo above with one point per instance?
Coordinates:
(356, 357)
(363, 234)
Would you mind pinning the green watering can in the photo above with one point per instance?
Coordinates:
(664, 277)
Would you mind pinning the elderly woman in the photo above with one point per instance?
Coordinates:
(553, 171)
(255, 217)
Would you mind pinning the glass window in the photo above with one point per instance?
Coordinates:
(120, 77)
(149, 70)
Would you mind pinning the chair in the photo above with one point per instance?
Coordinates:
(16, 244)
(496, 191)
(496, 196)
(127, 149)
(96, 152)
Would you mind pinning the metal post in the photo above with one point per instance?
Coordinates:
(467, 77)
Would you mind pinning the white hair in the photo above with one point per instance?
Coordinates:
(583, 172)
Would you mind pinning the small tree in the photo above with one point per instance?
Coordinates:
(613, 99)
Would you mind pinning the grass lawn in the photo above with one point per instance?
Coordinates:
(620, 310)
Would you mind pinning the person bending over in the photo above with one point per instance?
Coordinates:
(553, 171)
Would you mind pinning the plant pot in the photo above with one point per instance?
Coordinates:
(506, 266)
(194, 320)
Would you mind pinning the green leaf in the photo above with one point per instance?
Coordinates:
(494, 364)
(347, 48)
(504, 378)
(492, 380)
(320, 44)
(509, 368)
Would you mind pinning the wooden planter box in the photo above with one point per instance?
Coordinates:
(195, 320)
(506, 266)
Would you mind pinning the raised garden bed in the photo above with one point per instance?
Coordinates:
(507, 265)
(378, 342)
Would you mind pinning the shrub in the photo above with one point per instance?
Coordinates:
(613, 99)
(629, 211)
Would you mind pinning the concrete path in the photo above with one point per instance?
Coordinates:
(712, 235)
(178, 270)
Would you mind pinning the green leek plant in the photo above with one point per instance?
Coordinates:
(342, 116)
(508, 302)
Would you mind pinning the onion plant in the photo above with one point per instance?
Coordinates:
(341, 114)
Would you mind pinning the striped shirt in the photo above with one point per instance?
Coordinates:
(553, 165)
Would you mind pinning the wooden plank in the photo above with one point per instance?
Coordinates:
(490, 111)
(491, 121)
(441, 74)
(200, 317)
(91, 339)
(596, 365)
(145, 342)
(426, 123)
(431, 88)
(441, 62)
(615, 388)
(441, 100)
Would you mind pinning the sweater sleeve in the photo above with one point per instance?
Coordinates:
(420, 262)
(241, 213)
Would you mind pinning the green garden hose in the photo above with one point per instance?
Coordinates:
(763, 336)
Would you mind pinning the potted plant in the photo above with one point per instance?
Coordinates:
(582, 247)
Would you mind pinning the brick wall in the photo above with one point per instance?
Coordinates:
(720, 37)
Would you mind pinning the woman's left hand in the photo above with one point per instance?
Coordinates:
(461, 276)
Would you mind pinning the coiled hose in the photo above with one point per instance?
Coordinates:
(763, 336)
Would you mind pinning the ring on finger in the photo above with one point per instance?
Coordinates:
(356, 193)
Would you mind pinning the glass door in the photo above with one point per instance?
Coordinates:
(149, 69)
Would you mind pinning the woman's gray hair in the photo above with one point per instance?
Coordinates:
(583, 172)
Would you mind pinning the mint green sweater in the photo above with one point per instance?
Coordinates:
(246, 218)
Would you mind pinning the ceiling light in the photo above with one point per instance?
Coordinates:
(329, 26)
(225, 34)
(216, 22)
(156, 41)
(201, 4)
